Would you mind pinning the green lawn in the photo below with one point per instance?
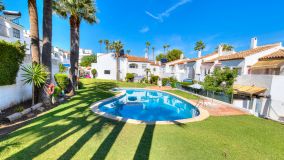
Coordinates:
(72, 131)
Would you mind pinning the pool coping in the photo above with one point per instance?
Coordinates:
(203, 114)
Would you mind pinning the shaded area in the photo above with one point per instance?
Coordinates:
(144, 147)
(105, 147)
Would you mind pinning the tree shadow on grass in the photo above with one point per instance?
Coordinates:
(61, 123)
(144, 147)
(105, 147)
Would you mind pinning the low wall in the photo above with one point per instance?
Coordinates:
(271, 107)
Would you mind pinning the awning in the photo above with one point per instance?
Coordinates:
(248, 90)
(273, 64)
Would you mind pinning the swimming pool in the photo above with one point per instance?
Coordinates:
(147, 106)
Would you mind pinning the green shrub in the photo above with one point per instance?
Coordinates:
(11, 57)
(185, 84)
(154, 79)
(62, 68)
(165, 81)
(129, 77)
(61, 80)
(57, 91)
(94, 72)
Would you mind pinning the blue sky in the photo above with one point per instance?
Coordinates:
(179, 23)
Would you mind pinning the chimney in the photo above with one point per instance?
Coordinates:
(146, 55)
(220, 50)
(199, 54)
(181, 56)
(253, 44)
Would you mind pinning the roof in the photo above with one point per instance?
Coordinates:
(137, 59)
(273, 63)
(275, 55)
(208, 55)
(248, 90)
(179, 61)
(246, 53)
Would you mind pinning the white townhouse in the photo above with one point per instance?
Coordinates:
(106, 66)
(196, 69)
(244, 60)
(176, 69)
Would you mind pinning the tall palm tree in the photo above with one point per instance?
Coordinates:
(47, 45)
(199, 46)
(165, 46)
(153, 50)
(47, 35)
(100, 42)
(107, 45)
(168, 46)
(148, 44)
(76, 11)
(34, 34)
(128, 51)
(117, 46)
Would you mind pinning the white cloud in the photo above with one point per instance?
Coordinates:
(160, 17)
(144, 29)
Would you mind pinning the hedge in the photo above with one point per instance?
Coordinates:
(61, 80)
(154, 79)
(11, 57)
(129, 77)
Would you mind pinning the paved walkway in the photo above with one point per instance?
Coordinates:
(160, 88)
(219, 109)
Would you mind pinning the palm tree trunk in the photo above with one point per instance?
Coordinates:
(74, 53)
(47, 45)
(117, 67)
(34, 41)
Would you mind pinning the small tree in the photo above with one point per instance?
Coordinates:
(147, 70)
(35, 75)
(94, 72)
(160, 56)
(219, 77)
(174, 55)
(87, 61)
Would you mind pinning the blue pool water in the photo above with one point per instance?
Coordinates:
(148, 105)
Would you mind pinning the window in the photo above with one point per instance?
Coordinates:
(106, 71)
(133, 65)
(16, 33)
(144, 66)
(154, 69)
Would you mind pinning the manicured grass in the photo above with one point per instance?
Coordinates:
(183, 94)
(72, 131)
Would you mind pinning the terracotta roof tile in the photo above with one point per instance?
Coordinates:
(136, 59)
(275, 55)
(154, 64)
(208, 55)
(243, 54)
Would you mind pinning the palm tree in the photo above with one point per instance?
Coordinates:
(153, 49)
(107, 45)
(2, 7)
(168, 46)
(117, 46)
(147, 70)
(76, 11)
(47, 44)
(165, 46)
(34, 34)
(35, 75)
(199, 46)
(47, 34)
(100, 42)
(148, 44)
(227, 47)
(128, 51)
